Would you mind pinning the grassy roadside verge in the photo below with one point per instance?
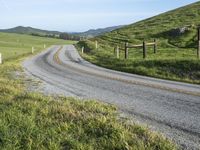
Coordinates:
(35, 121)
(176, 58)
(180, 68)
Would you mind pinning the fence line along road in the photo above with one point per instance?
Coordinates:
(128, 45)
(144, 46)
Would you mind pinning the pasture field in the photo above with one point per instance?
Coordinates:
(16, 45)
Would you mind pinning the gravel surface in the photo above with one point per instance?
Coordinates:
(172, 108)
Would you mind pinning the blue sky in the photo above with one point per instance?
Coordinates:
(80, 15)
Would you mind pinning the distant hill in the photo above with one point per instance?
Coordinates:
(43, 33)
(30, 30)
(97, 32)
(177, 27)
(34, 31)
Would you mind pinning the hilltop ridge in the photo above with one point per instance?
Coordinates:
(178, 27)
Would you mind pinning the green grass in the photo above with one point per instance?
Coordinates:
(176, 58)
(15, 45)
(34, 121)
(165, 66)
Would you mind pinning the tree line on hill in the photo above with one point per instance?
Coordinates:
(64, 36)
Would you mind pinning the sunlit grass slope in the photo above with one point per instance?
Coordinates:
(15, 45)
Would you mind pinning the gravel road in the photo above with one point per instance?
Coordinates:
(172, 108)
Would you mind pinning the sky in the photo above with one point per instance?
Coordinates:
(80, 15)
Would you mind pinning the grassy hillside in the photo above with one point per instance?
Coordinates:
(34, 121)
(41, 33)
(30, 30)
(176, 33)
(178, 27)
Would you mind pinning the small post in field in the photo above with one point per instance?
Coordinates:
(33, 50)
(126, 50)
(155, 46)
(82, 50)
(0, 58)
(117, 52)
(144, 50)
(44, 46)
(198, 52)
(198, 49)
(96, 44)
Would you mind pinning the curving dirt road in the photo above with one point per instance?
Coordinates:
(172, 108)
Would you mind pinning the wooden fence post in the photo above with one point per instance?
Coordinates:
(144, 50)
(126, 50)
(96, 44)
(82, 50)
(155, 46)
(198, 49)
(117, 50)
(33, 50)
(0, 58)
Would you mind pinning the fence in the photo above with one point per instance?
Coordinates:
(32, 51)
(144, 45)
(127, 46)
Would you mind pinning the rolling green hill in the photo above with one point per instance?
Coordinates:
(30, 30)
(178, 27)
(41, 33)
(176, 59)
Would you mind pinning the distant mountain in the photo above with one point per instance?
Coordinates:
(97, 32)
(30, 30)
(34, 31)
